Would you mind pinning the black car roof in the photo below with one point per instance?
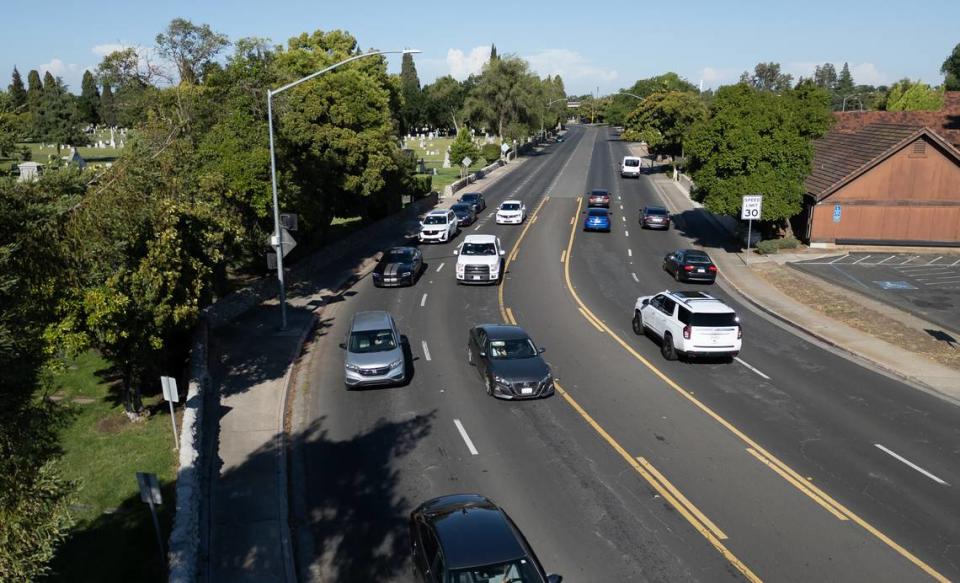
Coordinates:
(403, 250)
(472, 531)
(596, 211)
(695, 253)
(504, 332)
(462, 206)
(471, 194)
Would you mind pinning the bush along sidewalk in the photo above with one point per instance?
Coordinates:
(771, 246)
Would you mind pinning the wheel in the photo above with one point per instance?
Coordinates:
(667, 349)
(676, 275)
(637, 323)
(469, 356)
(488, 385)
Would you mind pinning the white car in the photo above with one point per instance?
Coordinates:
(630, 167)
(439, 226)
(511, 212)
(479, 259)
(689, 323)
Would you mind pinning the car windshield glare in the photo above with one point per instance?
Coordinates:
(365, 341)
(478, 249)
(510, 206)
(435, 220)
(512, 349)
(519, 571)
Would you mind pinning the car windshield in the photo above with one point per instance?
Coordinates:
(479, 249)
(399, 255)
(435, 220)
(470, 198)
(372, 341)
(510, 206)
(461, 208)
(656, 211)
(514, 348)
(698, 258)
(519, 571)
(714, 320)
(631, 163)
(598, 213)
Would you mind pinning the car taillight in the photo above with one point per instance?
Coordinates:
(686, 332)
(739, 332)
(712, 268)
(688, 268)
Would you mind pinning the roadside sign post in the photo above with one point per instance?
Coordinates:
(171, 396)
(466, 162)
(751, 210)
(150, 495)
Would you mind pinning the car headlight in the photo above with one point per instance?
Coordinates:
(500, 380)
(351, 367)
(405, 273)
(459, 269)
(396, 363)
(547, 379)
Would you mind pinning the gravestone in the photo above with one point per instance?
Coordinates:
(446, 159)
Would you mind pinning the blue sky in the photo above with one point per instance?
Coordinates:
(591, 44)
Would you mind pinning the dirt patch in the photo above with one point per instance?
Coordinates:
(112, 423)
(844, 307)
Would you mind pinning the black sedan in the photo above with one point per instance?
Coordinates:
(474, 199)
(398, 266)
(466, 538)
(465, 213)
(690, 265)
(654, 217)
(509, 362)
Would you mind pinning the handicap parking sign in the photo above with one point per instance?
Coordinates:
(836, 213)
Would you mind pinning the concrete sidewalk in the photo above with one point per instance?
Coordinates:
(245, 535)
(737, 270)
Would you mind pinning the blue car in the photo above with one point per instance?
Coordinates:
(598, 219)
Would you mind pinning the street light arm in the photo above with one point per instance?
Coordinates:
(632, 95)
(343, 62)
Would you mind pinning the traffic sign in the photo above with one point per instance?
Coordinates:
(467, 161)
(751, 209)
(837, 211)
(169, 385)
(504, 148)
(288, 242)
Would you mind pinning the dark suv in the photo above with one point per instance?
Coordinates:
(474, 199)
(466, 538)
(654, 217)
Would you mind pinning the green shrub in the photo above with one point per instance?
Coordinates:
(422, 183)
(788, 243)
(767, 247)
(490, 152)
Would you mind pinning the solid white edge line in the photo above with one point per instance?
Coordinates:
(466, 438)
(426, 350)
(440, 267)
(423, 300)
(751, 367)
(563, 255)
(635, 278)
(910, 463)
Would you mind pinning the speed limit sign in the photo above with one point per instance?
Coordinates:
(751, 208)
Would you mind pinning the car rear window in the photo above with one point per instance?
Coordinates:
(470, 197)
(697, 259)
(713, 320)
(656, 211)
(598, 213)
(460, 208)
(629, 162)
(599, 193)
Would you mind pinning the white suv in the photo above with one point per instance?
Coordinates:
(630, 167)
(439, 226)
(479, 259)
(689, 323)
(511, 212)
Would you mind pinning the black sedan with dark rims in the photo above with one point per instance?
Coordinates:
(509, 362)
(398, 266)
(690, 265)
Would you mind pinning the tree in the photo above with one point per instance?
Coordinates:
(825, 76)
(767, 77)
(505, 95)
(845, 85)
(18, 94)
(443, 102)
(951, 70)
(757, 142)
(57, 120)
(493, 52)
(190, 47)
(107, 109)
(89, 102)
(34, 91)
(908, 95)
(411, 113)
(463, 147)
(621, 104)
(664, 119)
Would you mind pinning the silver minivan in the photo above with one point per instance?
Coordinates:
(374, 351)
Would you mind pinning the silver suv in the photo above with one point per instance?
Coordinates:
(374, 351)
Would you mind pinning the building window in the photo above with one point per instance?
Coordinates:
(918, 149)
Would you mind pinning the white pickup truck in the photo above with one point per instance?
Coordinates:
(479, 259)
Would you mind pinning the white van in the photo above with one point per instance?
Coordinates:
(630, 167)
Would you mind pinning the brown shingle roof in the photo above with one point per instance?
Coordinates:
(839, 154)
(945, 122)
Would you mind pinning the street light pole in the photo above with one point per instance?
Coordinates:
(277, 234)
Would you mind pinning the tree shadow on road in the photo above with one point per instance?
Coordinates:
(698, 225)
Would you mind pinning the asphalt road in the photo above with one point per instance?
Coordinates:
(640, 469)
(927, 285)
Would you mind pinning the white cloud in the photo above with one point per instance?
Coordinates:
(805, 70)
(868, 74)
(575, 69)
(713, 76)
(463, 65)
(107, 48)
(71, 73)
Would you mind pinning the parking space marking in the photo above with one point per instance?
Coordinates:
(957, 262)
(440, 267)
(466, 438)
(635, 278)
(837, 259)
(751, 367)
(885, 260)
(944, 283)
(910, 463)
(864, 258)
(426, 350)
(423, 300)
(935, 260)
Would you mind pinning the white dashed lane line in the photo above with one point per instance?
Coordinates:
(909, 463)
(751, 367)
(626, 233)
(423, 300)
(466, 438)
(426, 350)
(635, 278)
(629, 252)
(440, 267)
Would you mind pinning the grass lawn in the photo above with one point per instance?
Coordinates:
(438, 145)
(113, 537)
(447, 176)
(40, 153)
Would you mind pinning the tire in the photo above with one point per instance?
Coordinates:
(638, 327)
(488, 385)
(667, 349)
(676, 275)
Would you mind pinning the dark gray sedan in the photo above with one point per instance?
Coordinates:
(509, 362)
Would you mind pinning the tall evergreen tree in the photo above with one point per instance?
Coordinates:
(57, 121)
(34, 90)
(493, 52)
(845, 84)
(89, 101)
(951, 70)
(825, 76)
(108, 109)
(18, 94)
(411, 113)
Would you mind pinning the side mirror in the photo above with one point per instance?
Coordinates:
(502, 253)
(646, 302)
(482, 353)
(456, 252)
(343, 345)
(541, 350)
(554, 578)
